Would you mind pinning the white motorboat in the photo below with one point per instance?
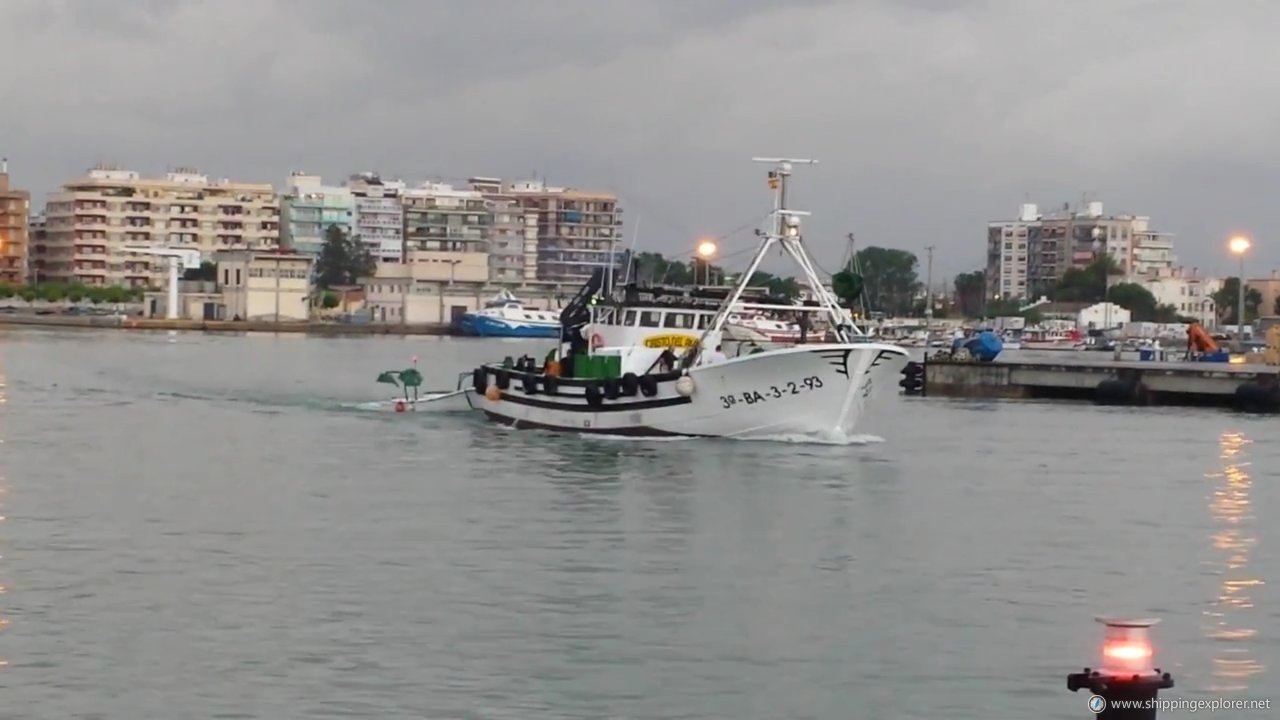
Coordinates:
(506, 316)
(650, 361)
(765, 328)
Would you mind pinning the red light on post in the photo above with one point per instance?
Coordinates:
(1126, 648)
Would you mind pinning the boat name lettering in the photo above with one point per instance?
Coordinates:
(773, 392)
(670, 341)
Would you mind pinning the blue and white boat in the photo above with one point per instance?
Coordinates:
(506, 316)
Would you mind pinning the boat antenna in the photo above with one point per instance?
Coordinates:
(631, 256)
(855, 263)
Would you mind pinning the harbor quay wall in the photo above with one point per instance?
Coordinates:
(1112, 381)
(972, 380)
(227, 326)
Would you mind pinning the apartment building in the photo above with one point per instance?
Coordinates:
(15, 241)
(513, 242)
(1008, 269)
(308, 208)
(1187, 291)
(94, 220)
(39, 245)
(446, 226)
(577, 231)
(378, 217)
(1026, 257)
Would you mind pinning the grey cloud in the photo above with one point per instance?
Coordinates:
(930, 117)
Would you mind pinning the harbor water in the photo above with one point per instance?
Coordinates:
(201, 526)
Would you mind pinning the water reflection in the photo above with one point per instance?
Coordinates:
(1229, 617)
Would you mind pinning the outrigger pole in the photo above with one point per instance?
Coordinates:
(784, 229)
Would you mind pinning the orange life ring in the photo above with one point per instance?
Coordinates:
(597, 341)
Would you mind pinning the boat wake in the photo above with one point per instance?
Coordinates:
(829, 438)
(390, 405)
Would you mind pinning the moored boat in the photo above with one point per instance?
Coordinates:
(1052, 340)
(506, 316)
(659, 362)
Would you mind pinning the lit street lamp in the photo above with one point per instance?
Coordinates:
(706, 250)
(1240, 245)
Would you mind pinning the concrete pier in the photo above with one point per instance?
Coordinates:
(1108, 381)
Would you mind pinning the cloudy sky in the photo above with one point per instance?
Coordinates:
(929, 117)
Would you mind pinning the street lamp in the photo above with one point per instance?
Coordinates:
(706, 249)
(1099, 246)
(1240, 245)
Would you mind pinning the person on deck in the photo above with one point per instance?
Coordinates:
(714, 356)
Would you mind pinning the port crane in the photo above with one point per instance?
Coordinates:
(178, 260)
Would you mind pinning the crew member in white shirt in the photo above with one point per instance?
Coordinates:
(714, 356)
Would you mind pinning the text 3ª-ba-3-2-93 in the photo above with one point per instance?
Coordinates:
(773, 392)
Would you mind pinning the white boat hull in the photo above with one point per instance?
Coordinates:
(438, 401)
(802, 390)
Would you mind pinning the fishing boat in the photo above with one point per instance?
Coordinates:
(656, 361)
(506, 316)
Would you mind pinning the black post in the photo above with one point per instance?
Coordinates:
(1121, 698)
(1126, 687)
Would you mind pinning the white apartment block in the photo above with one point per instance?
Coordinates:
(1008, 247)
(90, 224)
(1189, 293)
(378, 217)
(513, 242)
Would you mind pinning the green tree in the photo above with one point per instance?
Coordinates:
(1139, 301)
(786, 287)
(971, 292)
(649, 268)
(1228, 297)
(329, 300)
(1088, 284)
(7, 291)
(343, 260)
(207, 271)
(847, 285)
(889, 278)
(1275, 308)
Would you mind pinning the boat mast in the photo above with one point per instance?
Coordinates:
(784, 229)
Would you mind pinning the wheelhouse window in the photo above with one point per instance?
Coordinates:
(650, 318)
(678, 320)
(704, 321)
(629, 318)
